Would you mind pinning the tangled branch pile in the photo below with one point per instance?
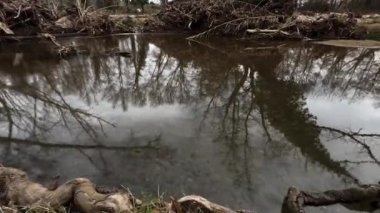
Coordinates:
(206, 14)
(28, 17)
(16, 15)
(271, 18)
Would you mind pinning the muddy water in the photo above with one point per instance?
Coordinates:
(234, 121)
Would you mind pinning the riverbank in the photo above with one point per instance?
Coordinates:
(20, 194)
(30, 18)
(200, 18)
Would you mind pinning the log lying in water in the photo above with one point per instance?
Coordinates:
(363, 198)
(17, 190)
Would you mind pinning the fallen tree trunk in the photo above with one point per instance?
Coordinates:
(363, 198)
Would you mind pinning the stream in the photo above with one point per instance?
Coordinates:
(237, 122)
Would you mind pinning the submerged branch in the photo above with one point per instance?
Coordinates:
(27, 142)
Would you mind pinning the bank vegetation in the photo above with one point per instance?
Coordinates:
(273, 19)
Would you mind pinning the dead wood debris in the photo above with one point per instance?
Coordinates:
(18, 191)
(63, 51)
(24, 15)
(264, 19)
(28, 17)
(274, 19)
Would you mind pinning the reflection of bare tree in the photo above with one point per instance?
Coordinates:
(35, 102)
(340, 70)
(21, 108)
(284, 106)
(139, 59)
(254, 87)
(235, 128)
(126, 81)
(245, 116)
(355, 137)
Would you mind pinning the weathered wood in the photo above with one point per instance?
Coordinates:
(369, 44)
(253, 31)
(4, 27)
(363, 198)
(192, 203)
(17, 190)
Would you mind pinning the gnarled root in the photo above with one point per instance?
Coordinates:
(17, 190)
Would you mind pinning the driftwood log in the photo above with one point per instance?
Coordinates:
(17, 190)
(364, 198)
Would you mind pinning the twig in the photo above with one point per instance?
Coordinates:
(18, 13)
(267, 31)
(229, 22)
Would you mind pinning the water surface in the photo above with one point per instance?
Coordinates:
(237, 122)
